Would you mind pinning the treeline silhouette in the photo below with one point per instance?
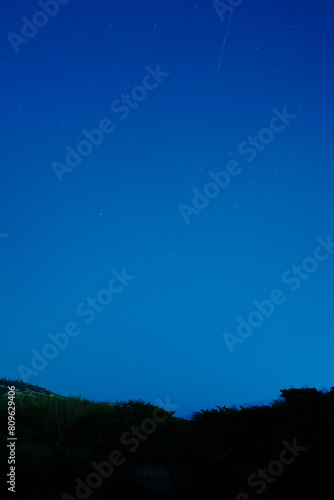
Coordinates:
(235, 453)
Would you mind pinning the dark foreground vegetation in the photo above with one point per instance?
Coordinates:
(70, 448)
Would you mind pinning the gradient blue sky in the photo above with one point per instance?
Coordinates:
(162, 336)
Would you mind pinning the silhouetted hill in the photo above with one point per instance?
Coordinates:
(23, 388)
(69, 447)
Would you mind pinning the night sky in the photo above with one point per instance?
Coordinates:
(167, 218)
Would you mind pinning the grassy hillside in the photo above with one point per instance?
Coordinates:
(69, 447)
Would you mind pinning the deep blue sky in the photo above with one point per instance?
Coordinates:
(162, 336)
